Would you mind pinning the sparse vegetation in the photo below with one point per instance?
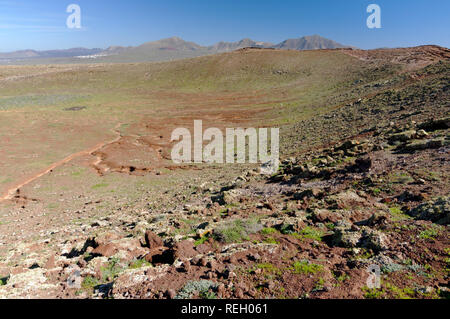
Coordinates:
(304, 267)
(268, 231)
(400, 178)
(429, 234)
(101, 185)
(311, 233)
(112, 270)
(269, 268)
(201, 240)
(139, 263)
(203, 288)
(89, 283)
(237, 231)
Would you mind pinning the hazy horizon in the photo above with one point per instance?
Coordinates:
(187, 40)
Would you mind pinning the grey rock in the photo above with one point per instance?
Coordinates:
(437, 211)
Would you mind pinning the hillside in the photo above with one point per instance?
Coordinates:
(88, 180)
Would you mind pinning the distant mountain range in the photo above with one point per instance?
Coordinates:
(244, 43)
(313, 42)
(165, 49)
(33, 54)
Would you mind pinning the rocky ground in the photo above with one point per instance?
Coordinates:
(310, 231)
(370, 188)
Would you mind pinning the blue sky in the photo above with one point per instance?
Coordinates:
(41, 24)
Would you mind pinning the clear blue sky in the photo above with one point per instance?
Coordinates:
(41, 24)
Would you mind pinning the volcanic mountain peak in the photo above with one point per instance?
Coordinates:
(175, 43)
(244, 43)
(313, 42)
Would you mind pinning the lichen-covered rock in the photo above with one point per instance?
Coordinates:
(437, 211)
(345, 237)
(228, 197)
(373, 239)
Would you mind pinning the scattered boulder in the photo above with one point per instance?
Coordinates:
(50, 264)
(103, 238)
(333, 216)
(363, 164)
(437, 211)
(106, 250)
(366, 238)
(345, 237)
(309, 193)
(434, 125)
(373, 239)
(160, 255)
(408, 196)
(194, 210)
(152, 240)
(171, 294)
(422, 134)
(346, 200)
(417, 145)
(377, 219)
(348, 145)
(127, 248)
(325, 216)
(403, 136)
(306, 171)
(227, 197)
(184, 249)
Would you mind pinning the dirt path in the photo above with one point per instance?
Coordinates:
(16, 189)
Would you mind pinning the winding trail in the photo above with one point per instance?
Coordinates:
(16, 189)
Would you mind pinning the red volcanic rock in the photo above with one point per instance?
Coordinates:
(152, 240)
